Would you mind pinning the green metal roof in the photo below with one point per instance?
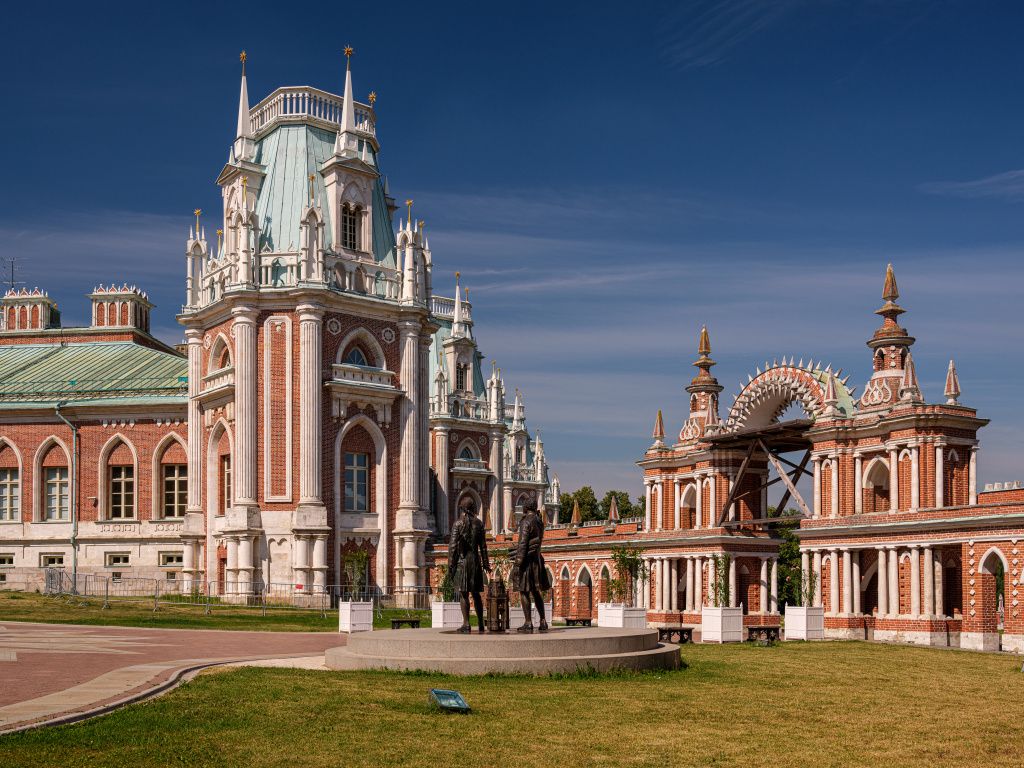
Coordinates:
(290, 154)
(98, 372)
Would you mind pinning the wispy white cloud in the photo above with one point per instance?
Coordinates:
(1001, 186)
(703, 34)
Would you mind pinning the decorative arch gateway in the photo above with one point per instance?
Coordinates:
(753, 424)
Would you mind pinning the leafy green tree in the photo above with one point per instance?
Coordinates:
(625, 507)
(789, 558)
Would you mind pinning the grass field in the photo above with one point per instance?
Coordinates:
(798, 704)
(27, 606)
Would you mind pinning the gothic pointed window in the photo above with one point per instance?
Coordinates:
(467, 453)
(350, 216)
(356, 356)
(357, 475)
(461, 372)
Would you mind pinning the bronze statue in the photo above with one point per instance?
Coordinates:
(467, 561)
(529, 574)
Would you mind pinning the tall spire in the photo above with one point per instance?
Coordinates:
(659, 431)
(243, 148)
(703, 389)
(952, 391)
(831, 398)
(458, 324)
(909, 389)
(346, 140)
(577, 518)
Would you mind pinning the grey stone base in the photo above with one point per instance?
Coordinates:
(844, 633)
(980, 641)
(558, 651)
(940, 639)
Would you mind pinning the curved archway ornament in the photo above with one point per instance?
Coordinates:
(766, 395)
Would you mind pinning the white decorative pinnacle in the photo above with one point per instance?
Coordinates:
(952, 390)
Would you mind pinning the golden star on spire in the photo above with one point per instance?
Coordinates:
(242, 57)
(372, 98)
(197, 213)
(348, 56)
(408, 204)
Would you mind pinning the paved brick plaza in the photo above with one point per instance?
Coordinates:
(52, 671)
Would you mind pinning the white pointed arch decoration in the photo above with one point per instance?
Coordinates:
(218, 348)
(38, 482)
(156, 492)
(213, 499)
(368, 340)
(584, 570)
(104, 486)
(983, 560)
(468, 444)
(768, 394)
(380, 492)
(6, 442)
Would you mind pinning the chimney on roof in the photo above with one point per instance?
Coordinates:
(25, 310)
(120, 307)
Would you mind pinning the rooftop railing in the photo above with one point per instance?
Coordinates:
(441, 306)
(296, 103)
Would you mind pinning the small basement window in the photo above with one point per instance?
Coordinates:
(6, 560)
(115, 577)
(172, 575)
(172, 559)
(51, 561)
(115, 559)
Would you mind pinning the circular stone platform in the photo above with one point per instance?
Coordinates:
(559, 650)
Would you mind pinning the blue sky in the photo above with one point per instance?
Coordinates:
(606, 177)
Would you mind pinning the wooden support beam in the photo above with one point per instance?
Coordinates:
(784, 476)
(798, 471)
(735, 485)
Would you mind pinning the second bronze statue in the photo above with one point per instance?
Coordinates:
(467, 561)
(529, 576)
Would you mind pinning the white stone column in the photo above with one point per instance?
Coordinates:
(673, 582)
(972, 477)
(817, 601)
(856, 582)
(940, 606)
(243, 468)
(929, 583)
(689, 585)
(915, 582)
(424, 429)
(498, 469)
(763, 587)
(698, 584)
(882, 580)
(300, 561)
(940, 490)
(894, 480)
(410, 520)
(833, 582)
(659, 505)
(231, 566)
(915, 479)
(816, 492)
(678, 486)
(773, 597)
(834, 500)
(847, 606)
(713, 512)
(894, 582)
(805, 572)
(663, 601)
(245, 564)
(698, 516)
(711, 581)
(195, 421)
(319, 563)
(648, 512)
(858, 484)
(733, 602)
(310, 404)
(441, 437)
(731, 512)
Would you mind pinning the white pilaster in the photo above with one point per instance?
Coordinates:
(441, 437)
(894, 480)
(699, 511)
(678, 486)
(915, 582)
(689, 585)
(858, 484)
(648, 516)
(310, 399)
(929, 583)
(243, 468)
(816, 601)
(940, 490)
(816, 492)
(894, 582)
(834, 500)
(805, 571)
(940, 606)
(763, 587)
(972, 477)
(833, 582)
(773, 599)
(882, 579)
(847, 606)
(733, 602)
(915, 479)
(698, 584)
(856, 582)
(673, 578)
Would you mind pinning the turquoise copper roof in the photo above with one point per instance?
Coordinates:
(94, 372)
(291, 154)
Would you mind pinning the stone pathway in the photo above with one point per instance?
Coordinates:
(54, 673)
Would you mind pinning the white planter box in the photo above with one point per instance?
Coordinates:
(445, 615)
(516, 618)
(721, 625)
(355, 617)
(620, 615)
(805, 622)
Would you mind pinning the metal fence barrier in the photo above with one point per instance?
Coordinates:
(231, 594)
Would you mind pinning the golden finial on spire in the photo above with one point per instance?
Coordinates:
(457, 275)
(408, 204)
(348, 55)
(197, 212)
(372, 98)
(467, 294)
(889, 291)
(704, 346)
(242, 57)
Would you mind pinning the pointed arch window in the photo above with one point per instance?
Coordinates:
(57, 493)
(10, 494)
(461, 377)
(122, 492)
(350, 219)
(467, 453)
(356, 356)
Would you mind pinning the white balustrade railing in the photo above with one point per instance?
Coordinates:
(358, 374)
(470, 464)
(297, 102)
(441, 306)
(225, 377)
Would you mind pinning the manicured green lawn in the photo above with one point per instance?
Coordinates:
(798, 704)
(25, 606)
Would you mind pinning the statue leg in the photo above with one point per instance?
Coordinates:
(524, 601)
(538, 600)
(464, 605)
(478, 603)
